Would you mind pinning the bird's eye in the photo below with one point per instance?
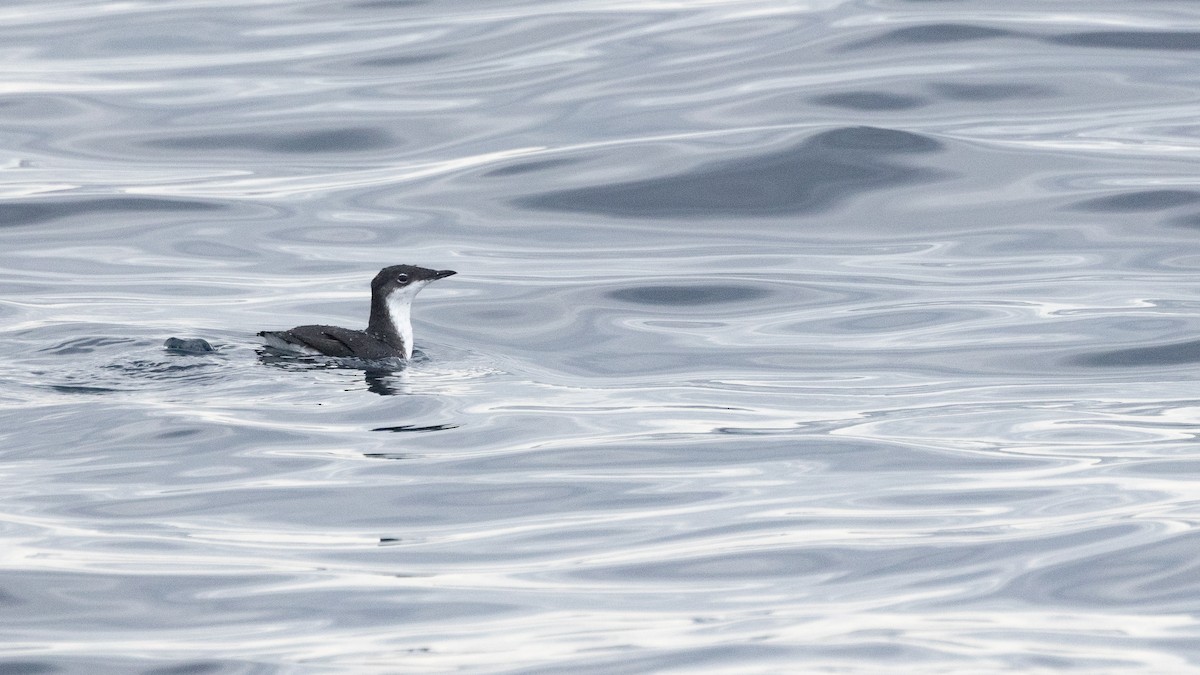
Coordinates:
(401, 278)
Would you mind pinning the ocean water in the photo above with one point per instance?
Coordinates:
(829, 336)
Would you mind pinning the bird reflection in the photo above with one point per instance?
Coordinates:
(382, 378)
(384, 382)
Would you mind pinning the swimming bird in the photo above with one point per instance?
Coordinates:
(389, 331)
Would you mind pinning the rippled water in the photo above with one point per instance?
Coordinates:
(827, 336)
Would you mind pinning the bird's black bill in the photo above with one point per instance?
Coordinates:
(442, 274)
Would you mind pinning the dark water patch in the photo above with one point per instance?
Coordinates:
(82, 389)
(1191, 220)
(27, 668)
(391, 455)
(28, 212)
(936, 33)
(402, 60)
(676, 295)
(528, 167)
(178, 433)
(1129, 39)
(1141, 201)
(957, 91)
(417, 429)
(1134, 357)
(870, 100)
(752, 431)
(192, 668)
(350, 139)
(824, 170)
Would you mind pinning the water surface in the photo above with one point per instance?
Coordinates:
(837, 336)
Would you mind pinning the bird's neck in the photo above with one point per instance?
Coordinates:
(391, 320)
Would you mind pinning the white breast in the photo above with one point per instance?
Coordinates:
(399, 305)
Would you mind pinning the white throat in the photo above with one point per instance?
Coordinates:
(399, 305)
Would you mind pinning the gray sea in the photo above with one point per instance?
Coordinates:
(826, 336)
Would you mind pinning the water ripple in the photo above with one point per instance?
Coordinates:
(785, 337)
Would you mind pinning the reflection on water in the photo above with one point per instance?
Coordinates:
(932, 34)
(786, 338)
(1158, 355)
(813, 176)
(16, 212)
(1020, 91)
(674, 296)
(1120, 39)
(331, 140)
(1144, 200)
(870, 100)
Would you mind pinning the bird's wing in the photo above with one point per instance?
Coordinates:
(328, 340)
